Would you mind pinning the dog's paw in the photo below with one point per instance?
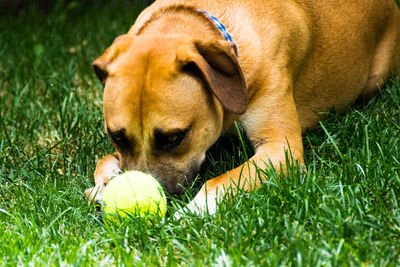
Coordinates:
(201, 205)
(93, 194)
(106, 169)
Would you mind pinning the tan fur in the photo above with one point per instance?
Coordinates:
(295, 60)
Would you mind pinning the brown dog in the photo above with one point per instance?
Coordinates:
(173, 84)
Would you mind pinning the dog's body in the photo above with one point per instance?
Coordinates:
(173, 85)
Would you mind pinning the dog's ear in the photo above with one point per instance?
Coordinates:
(100, 65)
(217, 65)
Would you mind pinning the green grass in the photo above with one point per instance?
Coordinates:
(344, 211)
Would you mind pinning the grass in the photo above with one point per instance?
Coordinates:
(343, 211)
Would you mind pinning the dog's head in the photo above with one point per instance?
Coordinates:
(165, 100)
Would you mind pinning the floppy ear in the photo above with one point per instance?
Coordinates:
(221, 72)
(100, 65)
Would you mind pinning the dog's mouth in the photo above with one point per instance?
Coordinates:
(179, 185)
(174, 176)
(174, 181)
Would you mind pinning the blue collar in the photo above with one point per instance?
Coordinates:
(221, 28)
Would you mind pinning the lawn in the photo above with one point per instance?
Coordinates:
(343, 211)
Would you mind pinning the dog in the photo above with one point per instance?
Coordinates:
(188, 70)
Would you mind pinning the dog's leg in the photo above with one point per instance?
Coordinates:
(107, 168)
(280, 134)
(243, 177)
(386, 58)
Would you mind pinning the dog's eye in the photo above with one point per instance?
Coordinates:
(119, 138)
(168, 141)
(173, 137)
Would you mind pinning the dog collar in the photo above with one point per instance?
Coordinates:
(221, 28)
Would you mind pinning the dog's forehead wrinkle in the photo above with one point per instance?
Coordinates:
(143, 137)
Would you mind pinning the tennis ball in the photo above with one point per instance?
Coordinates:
(134, 193)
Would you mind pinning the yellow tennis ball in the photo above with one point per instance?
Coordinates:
(134, 193)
